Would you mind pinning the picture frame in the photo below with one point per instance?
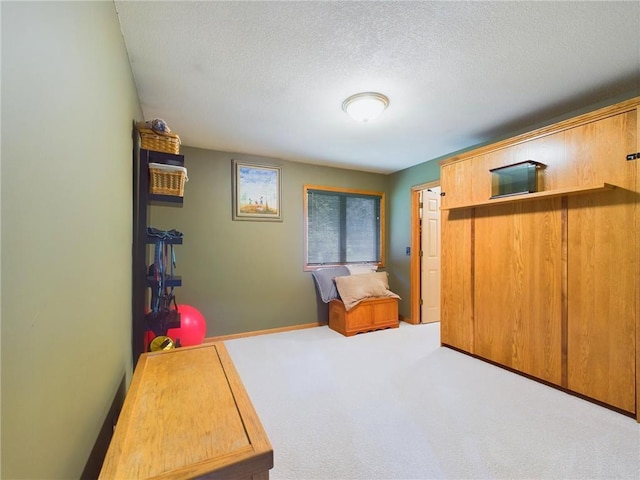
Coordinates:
(257, 192)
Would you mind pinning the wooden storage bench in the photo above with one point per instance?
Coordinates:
(187, 415)
(371, 314)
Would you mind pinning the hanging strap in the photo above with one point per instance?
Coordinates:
(164, 262)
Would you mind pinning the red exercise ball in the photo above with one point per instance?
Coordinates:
(193, 327)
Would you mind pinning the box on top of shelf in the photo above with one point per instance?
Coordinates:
(168, 142)
(167, 179)
(516, 179)
(156, 135)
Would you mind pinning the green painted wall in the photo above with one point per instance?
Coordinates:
(242, 275)
(68, 103)
(400, 184)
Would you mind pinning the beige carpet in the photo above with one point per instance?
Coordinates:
(393, 404)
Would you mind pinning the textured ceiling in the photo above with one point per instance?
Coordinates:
(268, 78)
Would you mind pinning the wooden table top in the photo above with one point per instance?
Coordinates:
(186, 415)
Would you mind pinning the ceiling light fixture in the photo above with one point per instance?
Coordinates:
(365, 106)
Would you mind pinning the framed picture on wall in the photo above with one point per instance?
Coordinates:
(257, 192)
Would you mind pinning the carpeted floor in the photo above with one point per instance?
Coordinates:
(393, 404)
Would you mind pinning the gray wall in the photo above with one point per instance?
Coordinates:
(68, 103)
(244, 275)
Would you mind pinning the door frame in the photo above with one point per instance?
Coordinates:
(415, 249)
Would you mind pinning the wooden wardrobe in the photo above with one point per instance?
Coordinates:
(546, 283)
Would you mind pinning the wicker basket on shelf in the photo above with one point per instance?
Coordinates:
(167, 179)
(168, 142)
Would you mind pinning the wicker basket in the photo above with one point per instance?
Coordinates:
(167, 179)
(168, 143)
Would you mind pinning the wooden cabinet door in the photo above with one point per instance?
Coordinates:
(454, 185)
(385, 312)
(469, 181)
(456, 308)
(550, 151)
(603, 264)
(362, 316)
(462, 183)
(517, 294)
(456, 297)
(517, 287)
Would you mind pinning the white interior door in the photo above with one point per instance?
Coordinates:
(430, 259)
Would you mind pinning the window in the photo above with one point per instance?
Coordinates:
(343, 226)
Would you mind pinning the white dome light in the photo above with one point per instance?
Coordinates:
(365, 106)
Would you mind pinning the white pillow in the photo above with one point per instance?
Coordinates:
(355, 288)
(360, 268)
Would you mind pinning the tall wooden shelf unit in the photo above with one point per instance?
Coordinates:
(142, 199)
(548, 283)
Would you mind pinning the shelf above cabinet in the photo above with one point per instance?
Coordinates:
(561, 192)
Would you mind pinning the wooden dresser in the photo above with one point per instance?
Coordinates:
(187, 415)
